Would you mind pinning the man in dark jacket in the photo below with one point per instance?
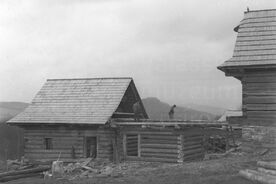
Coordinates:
(171, 113)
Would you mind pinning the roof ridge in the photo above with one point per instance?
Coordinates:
(96, 78)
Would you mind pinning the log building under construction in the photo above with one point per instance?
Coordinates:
(79, 118)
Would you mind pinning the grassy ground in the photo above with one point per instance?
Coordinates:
(217, 171)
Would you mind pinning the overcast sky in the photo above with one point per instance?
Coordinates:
(170, 47)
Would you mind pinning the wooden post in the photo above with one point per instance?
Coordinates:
(139, 145)
(227, 138)
(115, 148)
(124, 146)
(180, 148)
(233, 136)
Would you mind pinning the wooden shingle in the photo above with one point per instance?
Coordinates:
(75, 101)
(256, 40)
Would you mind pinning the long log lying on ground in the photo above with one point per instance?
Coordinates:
(9, 178)
(258, 176)
(267, 165)
(267, 171)
(26, 171)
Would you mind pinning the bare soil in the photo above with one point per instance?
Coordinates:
(218, 171)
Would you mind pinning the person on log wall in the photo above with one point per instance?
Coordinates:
(171, 112)
(137, 110)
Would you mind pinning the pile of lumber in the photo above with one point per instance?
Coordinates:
(266, 173)
(24, 173)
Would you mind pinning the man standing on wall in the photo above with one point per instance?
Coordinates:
(171, 113)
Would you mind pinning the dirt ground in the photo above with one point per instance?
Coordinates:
(216, 171)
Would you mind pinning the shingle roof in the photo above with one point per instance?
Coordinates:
(75, 101)
(256, 40)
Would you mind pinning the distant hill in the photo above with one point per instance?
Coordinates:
(11, 137)
(10, 109)
(157, 109)
(205, 108)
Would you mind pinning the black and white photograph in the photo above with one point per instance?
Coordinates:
(138, 91)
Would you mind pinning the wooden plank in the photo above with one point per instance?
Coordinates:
(150, 132)
(193, 135)
(256, 52)
(260, 79)
(261, 107)
(132, 147)
(55, 142)
(191, 143)
(54, 130)
(159, 155)
(152, 137)
(192, 147)
(151, 150)
(152, 159)
(156, 141)
(251, 86)
(260, 100)
(267, 114)
(56, 151)
(41, 146)
(260, 121)
(260, 73)
(162, 146)
(259, 92)
(52, 134)
(193, 139)
(132, 141)
(132, 153)
(55, 156)
(132, 137)
(193, 151)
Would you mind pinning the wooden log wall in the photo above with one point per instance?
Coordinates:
(259, 97)
(63, 139)
(159, 147)
(132, 144)
(193, 148)
(164, 145)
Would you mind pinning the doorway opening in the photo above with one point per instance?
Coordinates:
(90, 147)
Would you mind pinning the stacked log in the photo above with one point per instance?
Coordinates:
(159, 147)
(12, 175)
(132, 144)
(192, 147)
(266, 173)
(63, 139)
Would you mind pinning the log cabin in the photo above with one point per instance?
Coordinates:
(70, 116)
(254, 64)
(78, 118)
